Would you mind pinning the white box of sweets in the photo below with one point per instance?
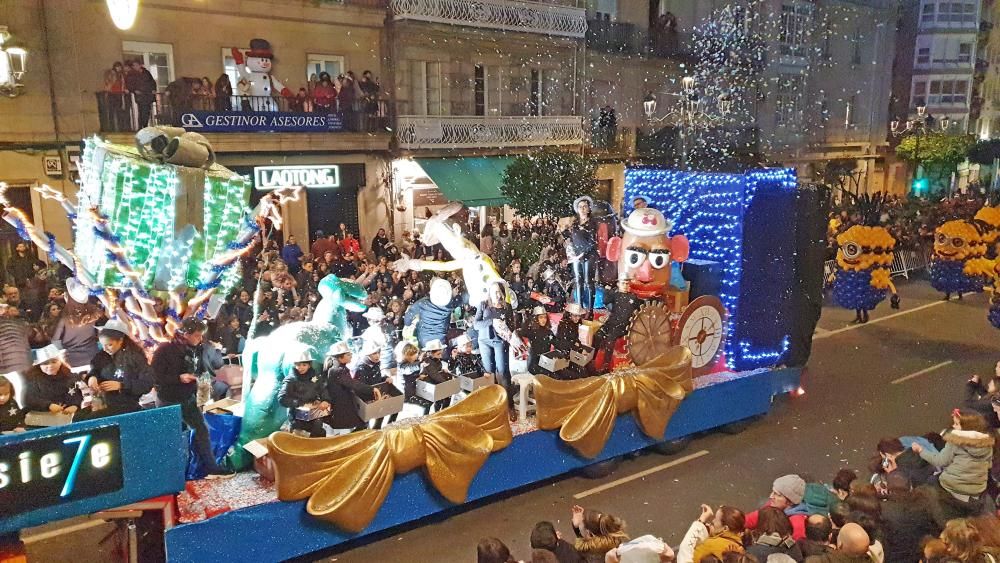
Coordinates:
(390, 403)
(437, 391)
(470, 384)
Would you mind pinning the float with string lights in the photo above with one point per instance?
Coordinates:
(158, 220)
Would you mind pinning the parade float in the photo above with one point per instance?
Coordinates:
(161, 221)
(711, 354)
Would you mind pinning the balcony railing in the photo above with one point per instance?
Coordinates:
(629, 39)
(126, 112)
(611, 140)
(440, 132)
(507, 15)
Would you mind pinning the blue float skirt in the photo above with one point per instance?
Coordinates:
(947, 276)
(853, 290)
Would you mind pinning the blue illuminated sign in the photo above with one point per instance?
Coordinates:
(260, 122)
(56, 473)
(46, 471)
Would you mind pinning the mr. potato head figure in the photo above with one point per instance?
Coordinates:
(644, 254)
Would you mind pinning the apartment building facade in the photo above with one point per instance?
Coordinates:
(72, 45)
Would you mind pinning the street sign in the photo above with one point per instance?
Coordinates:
(261, 122)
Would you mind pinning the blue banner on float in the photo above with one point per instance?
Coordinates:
(56, 473)
(261, 122)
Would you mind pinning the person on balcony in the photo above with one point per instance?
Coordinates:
(347, 98)
(115, 110)
(324, 94)
(141, 84)
(223, 93)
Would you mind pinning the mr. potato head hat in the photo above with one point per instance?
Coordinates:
(646, 222)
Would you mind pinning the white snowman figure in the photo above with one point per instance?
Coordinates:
(255, 68)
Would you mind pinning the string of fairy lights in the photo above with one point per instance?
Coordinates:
(129, 243)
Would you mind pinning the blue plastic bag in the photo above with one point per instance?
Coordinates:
(223, 431)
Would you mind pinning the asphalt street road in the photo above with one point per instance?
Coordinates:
(902, 373)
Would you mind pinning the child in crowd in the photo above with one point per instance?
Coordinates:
(432, 368)
(568, 332)
(465, 362)
(369, 372)
(305, 396)
(11, 415)
(408, 372)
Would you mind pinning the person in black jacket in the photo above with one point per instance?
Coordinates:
(11, 415)
(465, 361)
(369, 372)
(176, 368)
(119, 372)
(906, 520)
(302, 387)
(540, 337)
(978, 397)
(432, 369)
(49, 385)
(341, 389)
(581, 250)
(568, 332)
(544, 537)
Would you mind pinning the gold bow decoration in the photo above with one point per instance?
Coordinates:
(347, 478)
(585, 409)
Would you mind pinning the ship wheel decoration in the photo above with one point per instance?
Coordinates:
(649, 333)
(702, 328)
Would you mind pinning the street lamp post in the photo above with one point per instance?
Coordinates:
(919, 127)
(12, 65)
(689, 111)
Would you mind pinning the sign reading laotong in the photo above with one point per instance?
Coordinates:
(318, 176)
(260, 121)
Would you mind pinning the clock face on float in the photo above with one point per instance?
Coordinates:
(44, 472)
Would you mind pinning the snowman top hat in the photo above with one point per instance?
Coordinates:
(260, 48)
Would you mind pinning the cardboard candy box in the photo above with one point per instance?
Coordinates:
(390, 403)
(581, 354)
(554, 361)
(470, 384)
(307, 412)
(437, 391)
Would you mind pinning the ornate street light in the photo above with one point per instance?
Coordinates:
(690, 111)
(918, 127)
(123, 12)
(12, 66)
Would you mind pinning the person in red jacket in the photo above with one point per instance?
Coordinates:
(349, 245)
(786, 494)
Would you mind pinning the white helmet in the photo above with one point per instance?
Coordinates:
(304, 354)
(440, 293)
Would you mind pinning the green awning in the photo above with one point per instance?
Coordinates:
(474, 181)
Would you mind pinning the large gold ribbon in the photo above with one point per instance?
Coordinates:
(347, 478)
(585, 409)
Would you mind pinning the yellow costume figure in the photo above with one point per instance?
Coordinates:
(864, 258)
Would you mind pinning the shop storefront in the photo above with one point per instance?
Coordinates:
(336, 189)
(425, 185)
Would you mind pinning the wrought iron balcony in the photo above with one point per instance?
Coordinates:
(628, 39)
(454, 132)
(507, 15)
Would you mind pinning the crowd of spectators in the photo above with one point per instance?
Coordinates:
(929, 498)
(130, 98)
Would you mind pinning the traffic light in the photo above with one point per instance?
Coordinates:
(920, 186)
